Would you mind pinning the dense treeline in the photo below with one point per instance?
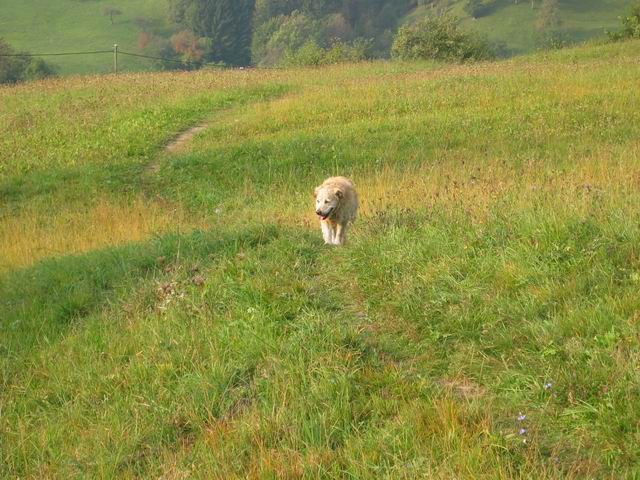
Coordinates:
(225, 27)
(283, 27)
(270, 32)
(307, 32)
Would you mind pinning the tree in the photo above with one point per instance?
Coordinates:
(266, 9)
(346, 20)
(227, 23)
(190, 48)
(110, 12)
(548, 25)
(284, 35)
(163, 48)
(548, 18)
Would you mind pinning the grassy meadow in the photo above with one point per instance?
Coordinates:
(177, 315)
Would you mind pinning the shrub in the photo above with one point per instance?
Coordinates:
(339, 52)
(309, 54)
(630, 25)
(439, 38)
(478, 8)
(343, 52)
(37, 69)
(553, 40)
(15, 69)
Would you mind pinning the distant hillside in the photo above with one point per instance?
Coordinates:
(514, 22)
(80, 25)
(42, 26)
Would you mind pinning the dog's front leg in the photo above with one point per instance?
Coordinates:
(327, 232)
(340, 234)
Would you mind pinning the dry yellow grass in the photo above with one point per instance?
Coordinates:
(32, 235)
(327, 106)
(453, 185)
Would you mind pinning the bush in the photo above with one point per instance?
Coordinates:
(343, 52)
(339, 52)
(630, 26)
(478, 8)
(439, 38)
(553, 40)
(37, 69)
(21, 68)
(309, 54)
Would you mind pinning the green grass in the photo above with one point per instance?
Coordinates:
(124, 122)
(492, 273)
(43, 26)
(514, 24)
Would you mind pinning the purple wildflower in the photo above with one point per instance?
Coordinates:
(548, 385)
(521, 417)
(522, 431)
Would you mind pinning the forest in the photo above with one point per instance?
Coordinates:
(276, 32)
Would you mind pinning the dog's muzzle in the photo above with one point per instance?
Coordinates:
(324, 215)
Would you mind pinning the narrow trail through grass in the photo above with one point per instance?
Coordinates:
(176, 146)
(182, 141)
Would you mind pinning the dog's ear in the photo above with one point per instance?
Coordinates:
(339, 193)
(316, 191)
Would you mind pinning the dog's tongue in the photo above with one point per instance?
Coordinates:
(322, 218)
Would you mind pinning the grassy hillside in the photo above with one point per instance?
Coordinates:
(45, 26)
(515, 23)
(177, 315)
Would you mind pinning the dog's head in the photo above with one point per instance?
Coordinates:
(327, 200)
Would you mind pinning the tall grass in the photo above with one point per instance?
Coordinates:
(30, 236)
(481, 323)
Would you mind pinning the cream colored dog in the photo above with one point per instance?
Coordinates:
(336, 205)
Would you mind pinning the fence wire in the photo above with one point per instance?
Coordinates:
(52, 54)
(186, 64)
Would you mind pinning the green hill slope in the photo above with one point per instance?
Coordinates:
(42, 26)
(514, 23)
(176, 314)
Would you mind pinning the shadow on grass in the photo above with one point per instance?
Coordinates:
(38, 304)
